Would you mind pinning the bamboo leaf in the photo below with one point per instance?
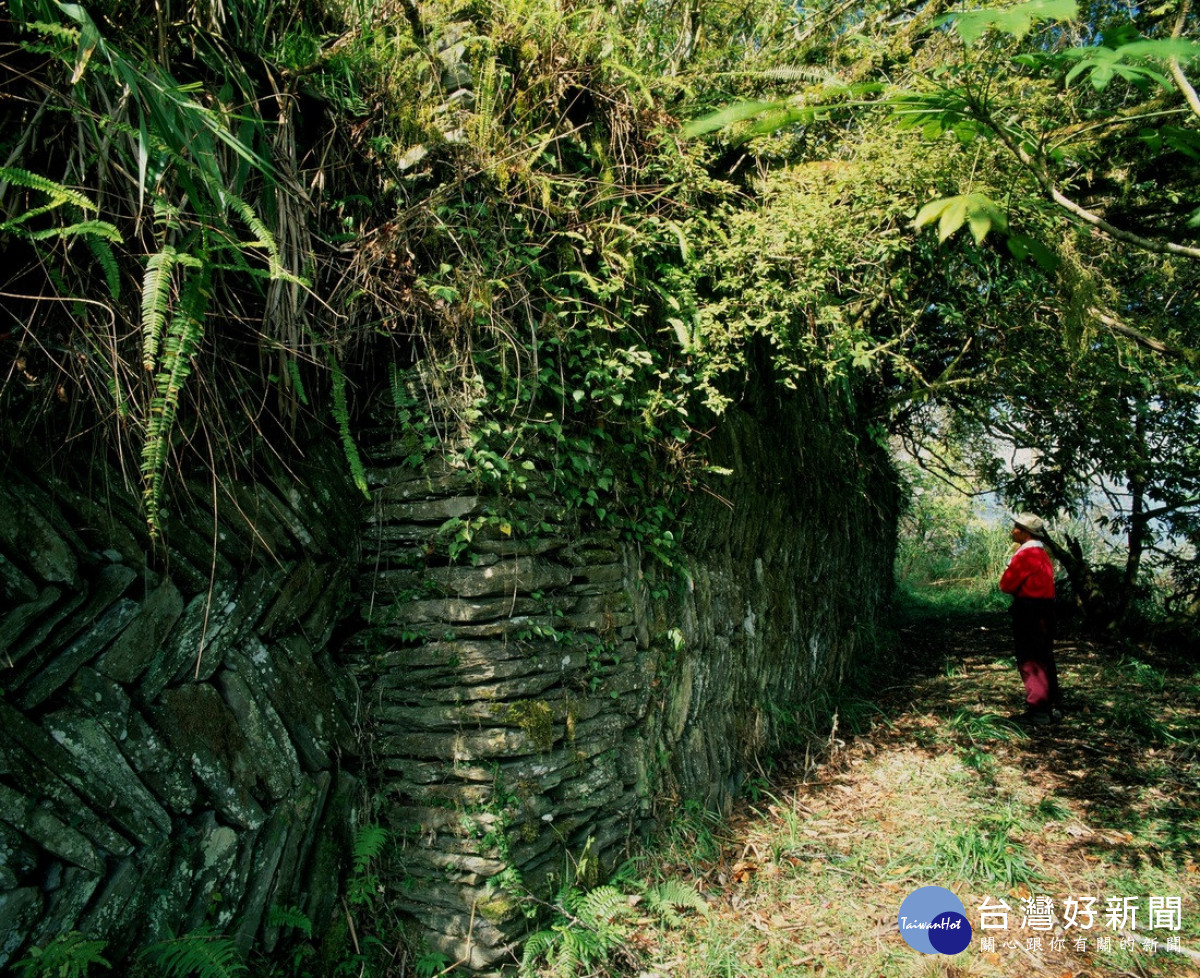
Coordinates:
(89, 40)
(722, 118)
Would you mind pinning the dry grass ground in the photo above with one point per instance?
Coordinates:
(927, 783)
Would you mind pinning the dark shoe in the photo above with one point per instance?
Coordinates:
(1036, 718)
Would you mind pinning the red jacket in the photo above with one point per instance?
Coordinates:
(1029, 574)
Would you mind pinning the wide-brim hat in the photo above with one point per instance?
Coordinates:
(1034, 525)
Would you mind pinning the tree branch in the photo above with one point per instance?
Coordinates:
(1189, 93)
(1150, 342)
(1042, 175)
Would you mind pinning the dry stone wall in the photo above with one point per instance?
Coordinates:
(553, 692)
(187, 743)
(176, 742)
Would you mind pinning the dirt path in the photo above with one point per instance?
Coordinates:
(926, 782)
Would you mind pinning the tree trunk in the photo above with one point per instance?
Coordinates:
(1090, 598)
(1138, 518)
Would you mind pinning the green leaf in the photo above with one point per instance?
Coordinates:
(1022, 246)
(1101, 76)
(952, 217)
(156, 287)
(100, 229)
(1015, 20)
(722, 118)
(930, 212)
(1180, 48)
(89, 40)
(977, 210)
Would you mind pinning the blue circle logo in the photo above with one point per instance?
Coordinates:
(932, 920)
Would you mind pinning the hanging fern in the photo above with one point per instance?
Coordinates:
(57, 193)
(96, 234)
(105, 258)
(100, 229)
(264, 239)
(156, 300)
(400, 396)
(201, 954)
(293, 369)
(182, 341)
(341, 414)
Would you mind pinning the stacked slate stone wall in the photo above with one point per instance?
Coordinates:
(554, 692)
(181, 740)
(176, 741)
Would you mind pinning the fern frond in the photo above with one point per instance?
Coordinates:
(578, 948)
(69, 955)
(200, 954)
(103, 253)
(293, 369)
(669, 898)
(368, 844)
(396, 386)
(626, 874)
(180, 346)
(539, 947)
(292, 917)
(15, 226)
(265, 238)
(341, 414)
(603, 905)
(57, 193)
(102, 229)
(58, 31)
(156, 288)
(792, 73)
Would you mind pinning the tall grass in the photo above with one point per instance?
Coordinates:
(950, 552)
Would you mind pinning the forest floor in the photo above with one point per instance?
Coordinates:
(923, 780)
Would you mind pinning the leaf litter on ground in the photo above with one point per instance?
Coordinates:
(807, 874)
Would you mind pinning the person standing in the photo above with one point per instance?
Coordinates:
(1029, 578)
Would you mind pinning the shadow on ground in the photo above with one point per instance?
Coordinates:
(1127, 748)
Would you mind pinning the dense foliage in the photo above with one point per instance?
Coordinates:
(250, 217)
(226, 225)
